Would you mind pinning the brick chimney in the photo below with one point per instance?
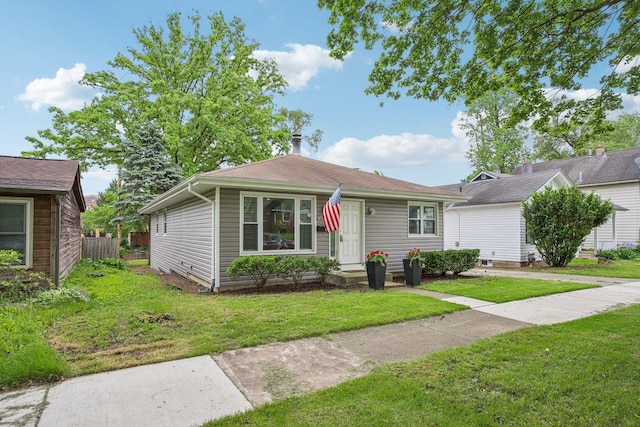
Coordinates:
(296, 142)
(527, 167)
(600, 150)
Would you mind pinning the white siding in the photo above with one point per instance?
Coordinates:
(626, 195)
(497, 230)
(187, 246)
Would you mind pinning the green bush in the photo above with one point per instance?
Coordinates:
(323, 266)
(293, 267)
(462, 260)
(620, 253)
(454, 260)
(16, 284)
(61, 295)
(259, 268)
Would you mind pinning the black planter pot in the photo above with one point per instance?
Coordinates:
(375, 275)
(412, 272)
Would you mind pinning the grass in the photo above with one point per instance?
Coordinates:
(133, 319)
(585, 372)
(502, 289)
(628, 269)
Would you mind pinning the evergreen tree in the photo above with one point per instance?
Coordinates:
(147, 172)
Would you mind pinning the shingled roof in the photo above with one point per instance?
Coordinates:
(296, 173)
(297, 169)
(44, 176)
(609, 167)
(508, 189)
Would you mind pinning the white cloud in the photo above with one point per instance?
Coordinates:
(107, 175)
(386, 152)
(301, 63)
(627, 64)
(63, 91)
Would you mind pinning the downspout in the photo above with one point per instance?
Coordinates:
(216, 241)
(214, 208)
(58, 227)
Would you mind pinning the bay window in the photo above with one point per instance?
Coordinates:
(271, 223)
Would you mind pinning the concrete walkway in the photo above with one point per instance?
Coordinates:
(191, 391)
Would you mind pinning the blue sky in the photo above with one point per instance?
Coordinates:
(47, 46)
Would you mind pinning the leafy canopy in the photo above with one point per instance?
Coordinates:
(454, 50)
(558, 220)
(213, 100)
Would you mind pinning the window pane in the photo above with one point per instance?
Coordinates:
(250, 209)
(428, 212)
(12, 217)
(414, 226)
(278, 224)
(305, 236)
(305, 212)
(414, 212)
(250, 237)
(429, 226)
(16, 242)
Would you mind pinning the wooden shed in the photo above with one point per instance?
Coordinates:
(40, 205)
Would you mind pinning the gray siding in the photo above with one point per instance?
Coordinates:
(187, 246)
(388, 231)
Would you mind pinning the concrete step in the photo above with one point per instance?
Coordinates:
(347, 278)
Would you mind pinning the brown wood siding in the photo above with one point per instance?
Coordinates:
(42, 233)
(70, 238)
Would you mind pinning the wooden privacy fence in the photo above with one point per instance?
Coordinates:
(100, 247)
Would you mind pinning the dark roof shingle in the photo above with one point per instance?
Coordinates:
(38, 175)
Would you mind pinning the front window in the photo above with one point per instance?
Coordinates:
(15, 226)
(422, 219)
(277, 223)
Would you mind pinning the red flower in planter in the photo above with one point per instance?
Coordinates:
(378, 257)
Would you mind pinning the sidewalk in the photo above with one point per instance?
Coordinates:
(191, 391)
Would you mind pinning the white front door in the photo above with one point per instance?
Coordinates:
(350, 235)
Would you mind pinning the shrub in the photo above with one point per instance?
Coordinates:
(627, 253)
(434, 262)
(293, 267)
(462, 260)
(558, 220)
(454, 260)
(323, 266)
(258, 268)
(16, 284)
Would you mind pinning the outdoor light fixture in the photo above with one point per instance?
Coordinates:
(372, 211)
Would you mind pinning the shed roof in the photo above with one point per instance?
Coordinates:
(48, 176)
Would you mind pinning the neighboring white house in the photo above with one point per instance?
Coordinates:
(614, 176)
(275, 207)
(491, 219)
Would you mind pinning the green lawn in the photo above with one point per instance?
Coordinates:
(502, 289)
(135, 319)
(581, 373)
(629, 269)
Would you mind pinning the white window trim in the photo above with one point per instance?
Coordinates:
(297, 198)
(165, 221)
(28, 202)
(436, 218)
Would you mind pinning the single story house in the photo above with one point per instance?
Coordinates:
(40, 205)
(275, 207)
(614, 176)
(491, 219)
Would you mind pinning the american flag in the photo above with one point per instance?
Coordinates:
(331, 212)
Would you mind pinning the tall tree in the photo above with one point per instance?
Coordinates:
(146, 173)
(297, 120)
(454, 50)
(211, 97)
(495, 144)
(624, 133)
